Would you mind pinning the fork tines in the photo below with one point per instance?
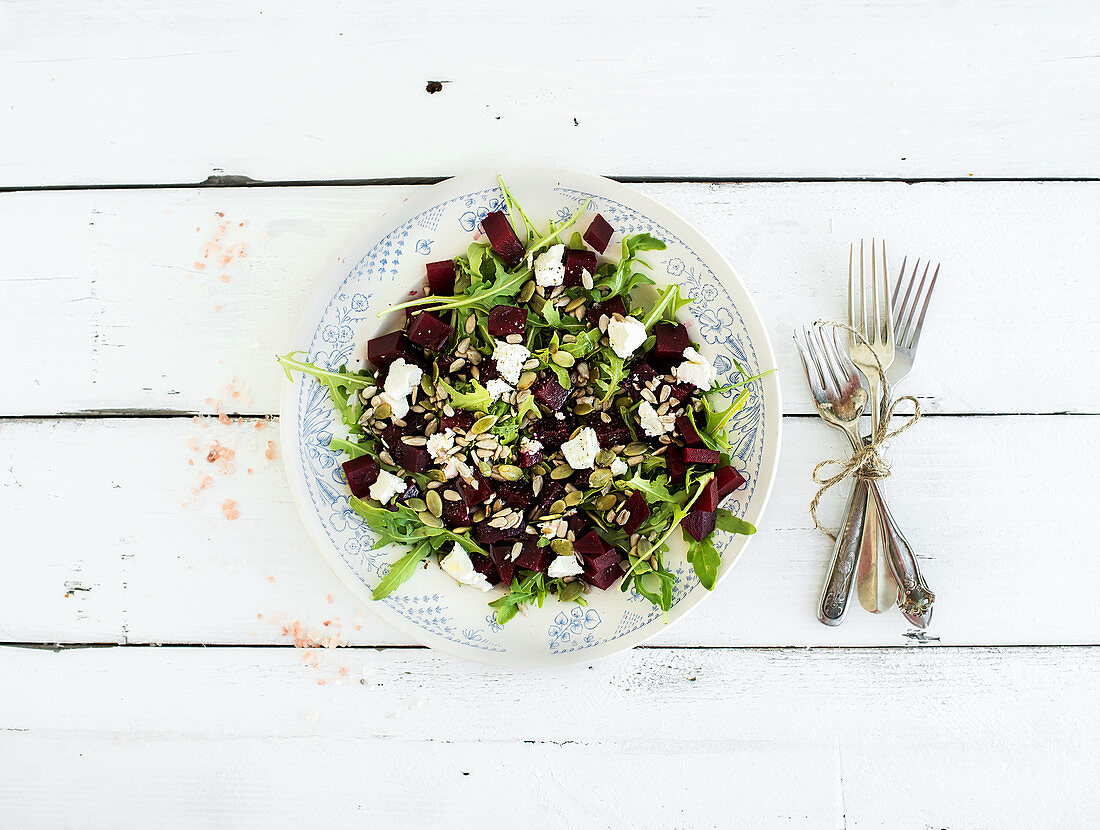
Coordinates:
(869, 311)
(908, 332)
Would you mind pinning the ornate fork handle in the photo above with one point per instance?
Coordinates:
(842, 570)
(914, 597)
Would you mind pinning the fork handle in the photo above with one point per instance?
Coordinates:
(842, 569)
(914, 597)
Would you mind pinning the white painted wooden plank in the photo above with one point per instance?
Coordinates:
(104, 285)
(995, 507)
(975, 738)
(157, 92)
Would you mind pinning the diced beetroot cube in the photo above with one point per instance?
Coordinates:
(484, 565)
(413, 459)
(609, 307)
(677, 470)
(596, 564)
(688, 432)
(411, 492)
(391, 436)
(550, 432)
(361, 473)
(535, 558)
(503, 239)
(598, 234)
(487, 371)
(698, 523)
(728, 480)
(605, 579)
(700, 455)
(551, 491)
(415, 422)
(515, 494)
(549, 392)
(455, 513)
(491, 535)
(609, 434)
(639, 512)
(671, 340)
(680, 391)
(527, 459)
(461, 420)
(591, 545)
(708, 499)
(429, 332)
(501, 554)
(441, 277)
(478, 493)
(639, 376)
(576, 262)
(444, 362)
(384, 350)
(578, 523)
(507, 319)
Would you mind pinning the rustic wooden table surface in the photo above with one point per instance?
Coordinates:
(175, 178)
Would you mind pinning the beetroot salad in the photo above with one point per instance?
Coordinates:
(535, 428)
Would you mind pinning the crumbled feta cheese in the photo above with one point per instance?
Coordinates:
(452, 467)
(581, 451)
(619, 467)
(695, 369)
(549, 268)
(497, 389)
(626, 335)
(530, 445)
(510, 358)
(652, 423)
(458, 566)
(440, 445)
(387, 486)
(401, 379)
(564, 566)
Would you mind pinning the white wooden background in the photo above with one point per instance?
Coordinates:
(148, 668)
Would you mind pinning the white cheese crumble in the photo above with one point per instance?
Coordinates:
(626, 335)
(387, 486)
(458, 566)
(497, 388)
(695, 369)
(619, 467)
(510, 358)
(530, 445)
(564, 566)
(549, 268)
(401, 379)
(440, 445)
(652, 423)
(581, 451)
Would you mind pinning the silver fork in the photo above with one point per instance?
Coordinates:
(907, 331)
(870, 314)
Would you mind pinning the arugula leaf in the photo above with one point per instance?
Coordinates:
(623, 280)
(477, 401)
(403, 526)
(529, 404)
(611, 370)
(716, 421)
(525, 590)
(340, 385)
(704, 436)
(655, 489)
(584, 342)
(668, 301)
(725, 520)
(401, 570)
(704, 559)
(348, 448)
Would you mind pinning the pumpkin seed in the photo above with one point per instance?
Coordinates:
(540, 470)
(604, 458)
(563, 359)
(582, 408)
(561, 471)
(426, 385)
(636, 448)
(562, 547)
(599, 478)
(527, 292)
(558, 507)
(437, 476)
(462, 282)
(605, 502)
(480, 425)
(429, 520)
(623, 402)
(572, 590)
(537, 304)
(510, 472)
(526, 380)
(434, 503)
(382, 411)
(577, 303)
(451, 495)
(416, 504)
(485, 467)
(574, 498)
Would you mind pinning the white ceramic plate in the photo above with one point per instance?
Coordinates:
(438, 223)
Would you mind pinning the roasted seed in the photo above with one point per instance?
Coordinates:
(539, 470)
(463, 345)
(558, 506)
(636, 448)
(605, 502)
(480, 425)
(577, 303)
(649, 396)
(603, 459)
(427, 385)
(562, 547)
(429, 520)
(514, 339)
(382, 411)
(665, 392)
(563, 359)
(457, 365)
(436, 475)
(510, 472)
(385, 457)
(451, 495)
(582, 408)
(574, 498)
(527, 291)
(526, 380)
(599, 478)
(586, 280)
(415, 440)
(561, 471)
(536, 484)
(416, 504)
(635, 461)
(471, 323)
(479, 516)
(533, 363)
(623, 518)
(434, 503)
